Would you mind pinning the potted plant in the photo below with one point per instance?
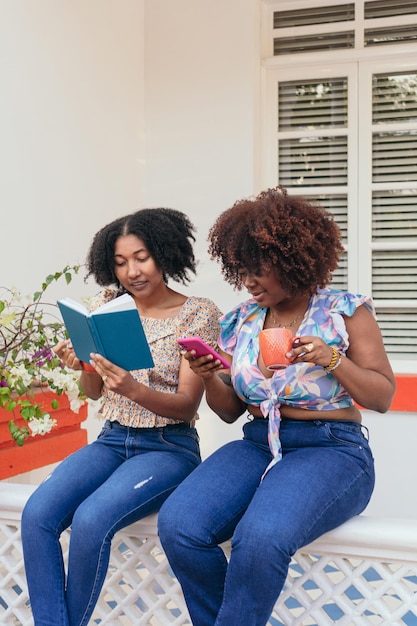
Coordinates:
(33, 380)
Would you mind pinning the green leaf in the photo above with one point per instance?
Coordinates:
(11, 405)
(18, 434)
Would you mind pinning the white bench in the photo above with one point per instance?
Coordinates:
(364, 572)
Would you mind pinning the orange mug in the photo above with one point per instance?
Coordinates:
(274, 343)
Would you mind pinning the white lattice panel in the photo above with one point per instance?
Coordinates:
(140, 588)
(339, 590)
(329, 582)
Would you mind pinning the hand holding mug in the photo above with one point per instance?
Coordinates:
(274, 343)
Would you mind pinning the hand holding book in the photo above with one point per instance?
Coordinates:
(113, 330)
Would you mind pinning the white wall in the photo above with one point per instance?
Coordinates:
(71, 128)
(202, 77)
(111, 105)
(202, 80)
(393, 439)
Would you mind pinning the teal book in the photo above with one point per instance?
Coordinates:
(113, 330)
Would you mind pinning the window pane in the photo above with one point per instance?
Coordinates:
(394, 98)
(394, 274)
(399, 331)
(394, 157)
(389, 35)
(316, 15)
(314, 43)
(313, 161)
(313, 104)
(388, 8)
(394, 215)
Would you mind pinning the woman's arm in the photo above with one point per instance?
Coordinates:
(92, 385)
(366, 372)
(181, 405)
(220, 395)
(91, 382)
(222, 399)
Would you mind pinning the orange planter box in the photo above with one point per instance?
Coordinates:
(405, 395)
(66, 437)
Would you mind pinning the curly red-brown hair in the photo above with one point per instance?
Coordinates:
(275, 230)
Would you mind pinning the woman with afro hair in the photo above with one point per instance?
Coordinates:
(148, 443)
(304, 465)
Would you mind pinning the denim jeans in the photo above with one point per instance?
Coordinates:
(325, 477)
(121, 477)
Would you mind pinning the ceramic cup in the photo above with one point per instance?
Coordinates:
(274, 343)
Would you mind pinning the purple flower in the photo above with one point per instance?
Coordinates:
(43, 355)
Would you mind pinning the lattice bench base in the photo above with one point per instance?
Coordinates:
(363, 573)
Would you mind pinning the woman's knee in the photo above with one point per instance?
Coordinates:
(91, 522)
(262, 540)
(178, 526)
(169, 525)
(37, 513)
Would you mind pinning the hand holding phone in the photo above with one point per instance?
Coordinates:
(202, 349)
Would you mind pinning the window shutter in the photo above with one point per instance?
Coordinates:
(388, 33)
(318, 159)
(313, 147)
(394, 275)
(345, 135)
(399, 331)
(337, 35)
(394, 215)
(394, 207)
(339, 26)
(387, 8)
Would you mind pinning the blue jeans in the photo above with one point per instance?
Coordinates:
(124, 475)
(325, 477)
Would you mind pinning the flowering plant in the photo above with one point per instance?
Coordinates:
(28, 333)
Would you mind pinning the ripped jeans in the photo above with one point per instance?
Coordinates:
(123, 476)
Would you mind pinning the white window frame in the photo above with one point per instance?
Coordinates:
(358, 65)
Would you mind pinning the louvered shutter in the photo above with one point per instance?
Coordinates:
(309, 153)
(394, 208)
(347, 138)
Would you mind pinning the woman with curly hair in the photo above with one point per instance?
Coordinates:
(272, 495)
(148, 443)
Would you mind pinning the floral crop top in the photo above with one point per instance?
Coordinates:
(198, 316)
(303, 385)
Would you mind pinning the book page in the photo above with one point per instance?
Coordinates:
(121, 303)
(73, 304)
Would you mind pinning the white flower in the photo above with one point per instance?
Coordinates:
(30, 328)
(20, 372)
(75, 403)
(49, 333)
(41, 425)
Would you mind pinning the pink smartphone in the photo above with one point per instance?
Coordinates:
(201, 349)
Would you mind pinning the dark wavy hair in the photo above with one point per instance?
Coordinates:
(275, 230)
(168, 235)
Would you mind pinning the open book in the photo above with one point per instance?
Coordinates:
(113, 330)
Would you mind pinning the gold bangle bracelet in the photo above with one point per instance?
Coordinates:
(334, 361)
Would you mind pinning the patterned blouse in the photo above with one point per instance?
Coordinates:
(197, 316)
(303, 385)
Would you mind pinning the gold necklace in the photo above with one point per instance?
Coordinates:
(287, 324)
